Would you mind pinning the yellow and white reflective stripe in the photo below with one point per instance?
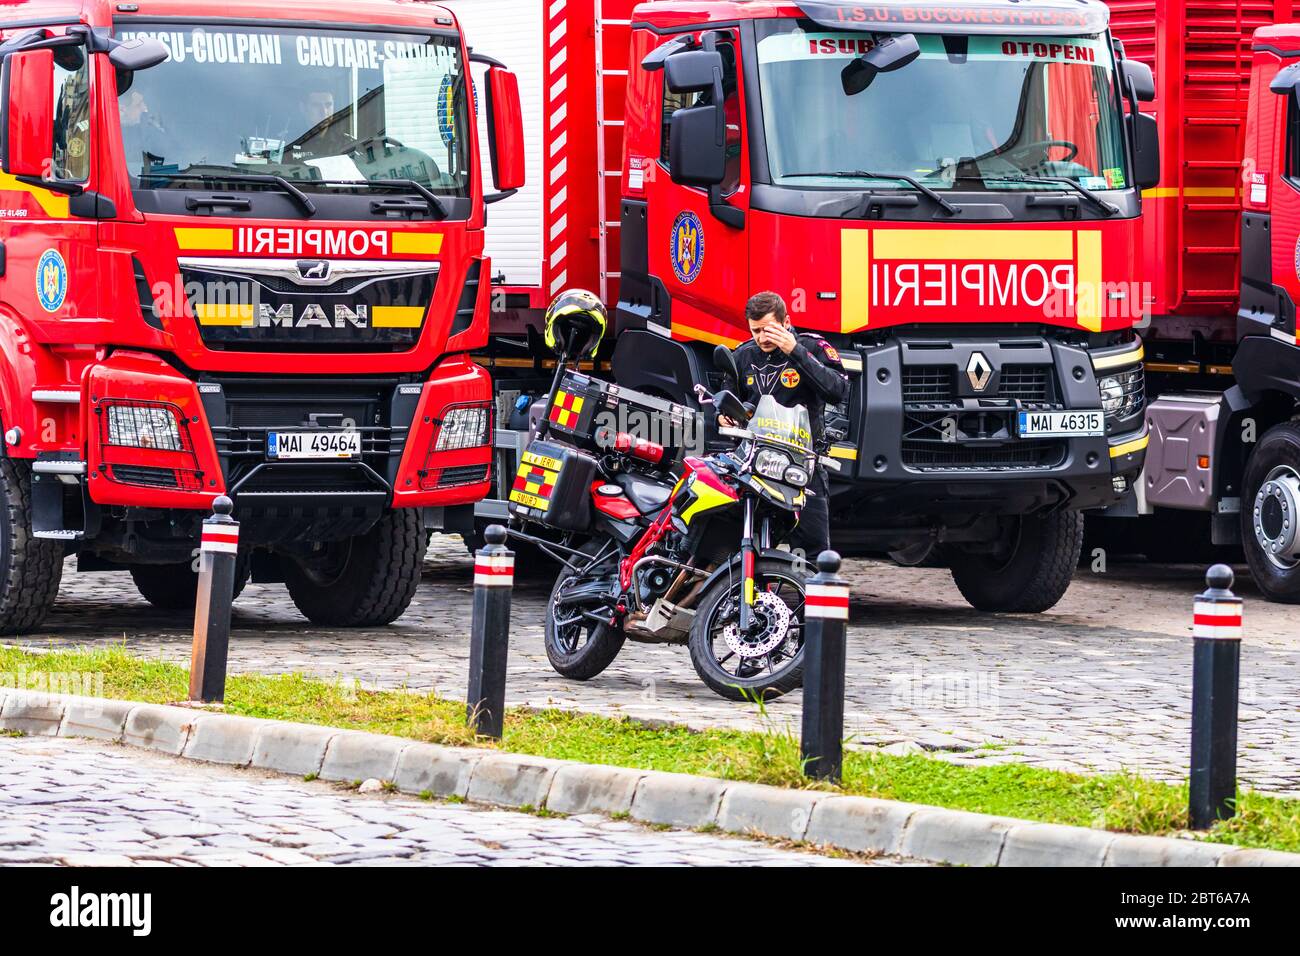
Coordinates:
(1128, 447)
(417, 243)
(224, 313)
(848, 452)
(1190, 192)
(851, 363)
(196, 238)
(1135, 354)
(396, 316)
(1290, 338)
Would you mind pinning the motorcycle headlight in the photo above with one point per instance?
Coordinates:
(771, 464)
(794, 475)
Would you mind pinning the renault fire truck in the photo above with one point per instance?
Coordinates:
(949, 192)
(241, 253)
(1223, 246)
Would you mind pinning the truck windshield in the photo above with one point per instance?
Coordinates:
(970, 113)
(307, 105)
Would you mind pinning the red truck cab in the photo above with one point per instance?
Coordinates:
(950, 194)
(241, 255)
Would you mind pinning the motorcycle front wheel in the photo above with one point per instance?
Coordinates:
(578, 647)
(768, 661)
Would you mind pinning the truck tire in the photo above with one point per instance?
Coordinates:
(364, 581)
(1265, 521)
(1031, 573)
(175, 587)
(30, 568)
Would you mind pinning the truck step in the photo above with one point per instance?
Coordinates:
(65, 534)
(58, 467)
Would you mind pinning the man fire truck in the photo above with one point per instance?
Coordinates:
(240, 254)
(948, 192)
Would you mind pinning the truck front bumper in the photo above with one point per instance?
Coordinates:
(925, 440)
(223, 422)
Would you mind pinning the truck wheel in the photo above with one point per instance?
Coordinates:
(1029, 572)
(1270, 497)
(30, 568)
(362, 581)
(175, 587)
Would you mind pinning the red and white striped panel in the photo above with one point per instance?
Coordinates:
(220, 537)
(827, 601)
(556, 160)
(494, 570)
(1217, 619)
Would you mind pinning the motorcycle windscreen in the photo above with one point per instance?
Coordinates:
(787, 426)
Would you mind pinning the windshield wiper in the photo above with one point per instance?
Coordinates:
(1110, 209)
(300, 198)
(916, 184)
(436, 205)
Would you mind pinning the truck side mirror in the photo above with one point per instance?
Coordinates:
(138, 54)
(886, 56)
(1146, 150)
(1285, 80)
(28, 100)
(693, 71)
(1141, 82)
(697, 146)
(506, 122)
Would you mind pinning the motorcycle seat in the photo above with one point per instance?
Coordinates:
(647, 496)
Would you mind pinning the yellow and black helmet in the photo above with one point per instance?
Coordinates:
(575, 322)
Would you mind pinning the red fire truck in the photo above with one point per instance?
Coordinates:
(241, 253)
(1223, 250)
(948, 191)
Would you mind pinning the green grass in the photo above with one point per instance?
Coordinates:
(1121, 802)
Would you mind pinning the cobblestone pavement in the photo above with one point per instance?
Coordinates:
(82, 803)
(1101, 682)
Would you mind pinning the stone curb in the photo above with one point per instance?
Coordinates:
(858, 824)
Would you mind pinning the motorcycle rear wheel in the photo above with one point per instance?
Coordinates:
(763, 677)
(579, 649)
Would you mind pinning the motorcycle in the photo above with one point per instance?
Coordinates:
(692, 557)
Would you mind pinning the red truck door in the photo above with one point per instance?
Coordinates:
(50, 254)
(703, 263)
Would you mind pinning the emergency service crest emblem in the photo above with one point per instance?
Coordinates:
(687, 251)
(51, 280)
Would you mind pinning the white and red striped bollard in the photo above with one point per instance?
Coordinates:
(218, 554)
(826, 617)
(1216, 670)
(494, 577)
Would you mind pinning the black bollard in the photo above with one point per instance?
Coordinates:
(494, 576)
(826, 618)
(218, 553)
(1216, 666)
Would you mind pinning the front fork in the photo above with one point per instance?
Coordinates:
(748, 552)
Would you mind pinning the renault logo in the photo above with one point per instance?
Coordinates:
(979, 371)
(314, 270)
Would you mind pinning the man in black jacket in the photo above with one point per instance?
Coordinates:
(795, 369)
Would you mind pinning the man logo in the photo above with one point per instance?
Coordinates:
(314, 270)
(979, 371)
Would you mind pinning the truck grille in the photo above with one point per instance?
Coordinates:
(964, 440)
(928, 383)
(936, 384)
(1022, 456)
(1027, 383)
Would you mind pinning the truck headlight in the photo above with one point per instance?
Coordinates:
(1123, 394)
(771, 464)
(464, 427)
(144, 426)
